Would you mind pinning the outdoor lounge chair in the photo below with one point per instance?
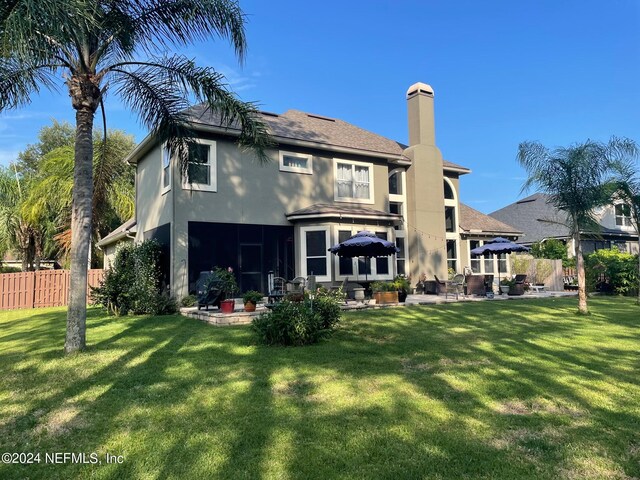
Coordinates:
(208, 290)
(518, 288)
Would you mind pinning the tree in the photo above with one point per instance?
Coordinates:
(577, 179)
(94, 45)
(50, 137)
(50, 195)
(17, 232)
(551, 248)
(629, 189)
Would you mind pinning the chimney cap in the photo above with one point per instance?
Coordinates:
(420, 88)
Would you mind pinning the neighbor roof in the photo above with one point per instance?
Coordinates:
(127, 228)
(294, 126)
(473, 221)
(536, 217)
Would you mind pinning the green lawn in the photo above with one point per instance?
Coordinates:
(518, 389)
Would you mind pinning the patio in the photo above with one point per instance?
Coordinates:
(240, 317)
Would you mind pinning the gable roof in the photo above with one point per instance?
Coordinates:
(307, 129)
(536, 217)
(473, 221)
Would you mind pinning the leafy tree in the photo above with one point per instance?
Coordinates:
(113, 189)
(577, 179)
(629, 189)
(50, 137)
(94, 45)
(551, 248)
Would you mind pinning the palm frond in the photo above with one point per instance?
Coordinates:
(18, 80)
(160, 23)
(167, 82)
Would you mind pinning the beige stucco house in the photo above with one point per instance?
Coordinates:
(327, 180)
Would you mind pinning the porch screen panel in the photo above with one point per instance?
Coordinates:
(316, 252)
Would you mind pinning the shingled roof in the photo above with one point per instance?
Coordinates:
(307, 127)
(328, 210)
(473, 221)
(536, 217)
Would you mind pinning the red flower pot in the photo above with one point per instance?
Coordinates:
(226, 306)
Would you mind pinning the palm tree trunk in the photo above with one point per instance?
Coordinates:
(80, 230)
(582, 290)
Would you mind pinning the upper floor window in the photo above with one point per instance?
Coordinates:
(201, 169)
(295, 162)
(623, 215)
(395, 183)
(448, 191)
(166, 169)
(450, 219)
(354, 181)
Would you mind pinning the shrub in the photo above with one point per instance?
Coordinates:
(384, 287)
(10, 269)
(612, 271)
(298, 323)
(252, 296)
(132, 284)
(229, 285)
(189, 301)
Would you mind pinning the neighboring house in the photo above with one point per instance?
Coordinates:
(124, 233)
(327, 180)
(539, 220)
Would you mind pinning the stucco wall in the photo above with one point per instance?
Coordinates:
(152, 207)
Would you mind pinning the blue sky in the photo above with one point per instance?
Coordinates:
(503, 72)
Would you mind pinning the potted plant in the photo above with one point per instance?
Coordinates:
(251, 299)
(506, 284)
(385, 292)
(403, 284)
(421, 286)
(229, 287)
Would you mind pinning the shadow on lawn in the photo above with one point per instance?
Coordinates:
(216, 405)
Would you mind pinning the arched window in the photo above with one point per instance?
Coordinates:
(448, 191)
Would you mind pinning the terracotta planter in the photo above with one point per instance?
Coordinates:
(226, 306)
(249, 307)
(385, 297)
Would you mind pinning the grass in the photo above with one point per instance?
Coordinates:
(499, 390)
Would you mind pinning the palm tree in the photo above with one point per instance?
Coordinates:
(577, 179)
(628, 169)
(94, 45)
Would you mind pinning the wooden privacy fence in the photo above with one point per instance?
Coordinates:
(43, 288)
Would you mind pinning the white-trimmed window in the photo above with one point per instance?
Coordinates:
(452, 255)
(296, 162)
(623, 215)
(166, 169)
(202, 167)
(353, 181)
(314, 251)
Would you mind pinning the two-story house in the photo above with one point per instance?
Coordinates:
(539, 220)
(326, 181)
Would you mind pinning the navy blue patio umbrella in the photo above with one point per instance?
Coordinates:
(364, 244)
(497, 246)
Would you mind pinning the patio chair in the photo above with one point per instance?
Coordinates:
(278, 291)
(441, 287)
(518, 288)
(475, 285)
(296, 285)
(456, 285)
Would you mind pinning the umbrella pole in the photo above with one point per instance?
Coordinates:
(498, 257)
